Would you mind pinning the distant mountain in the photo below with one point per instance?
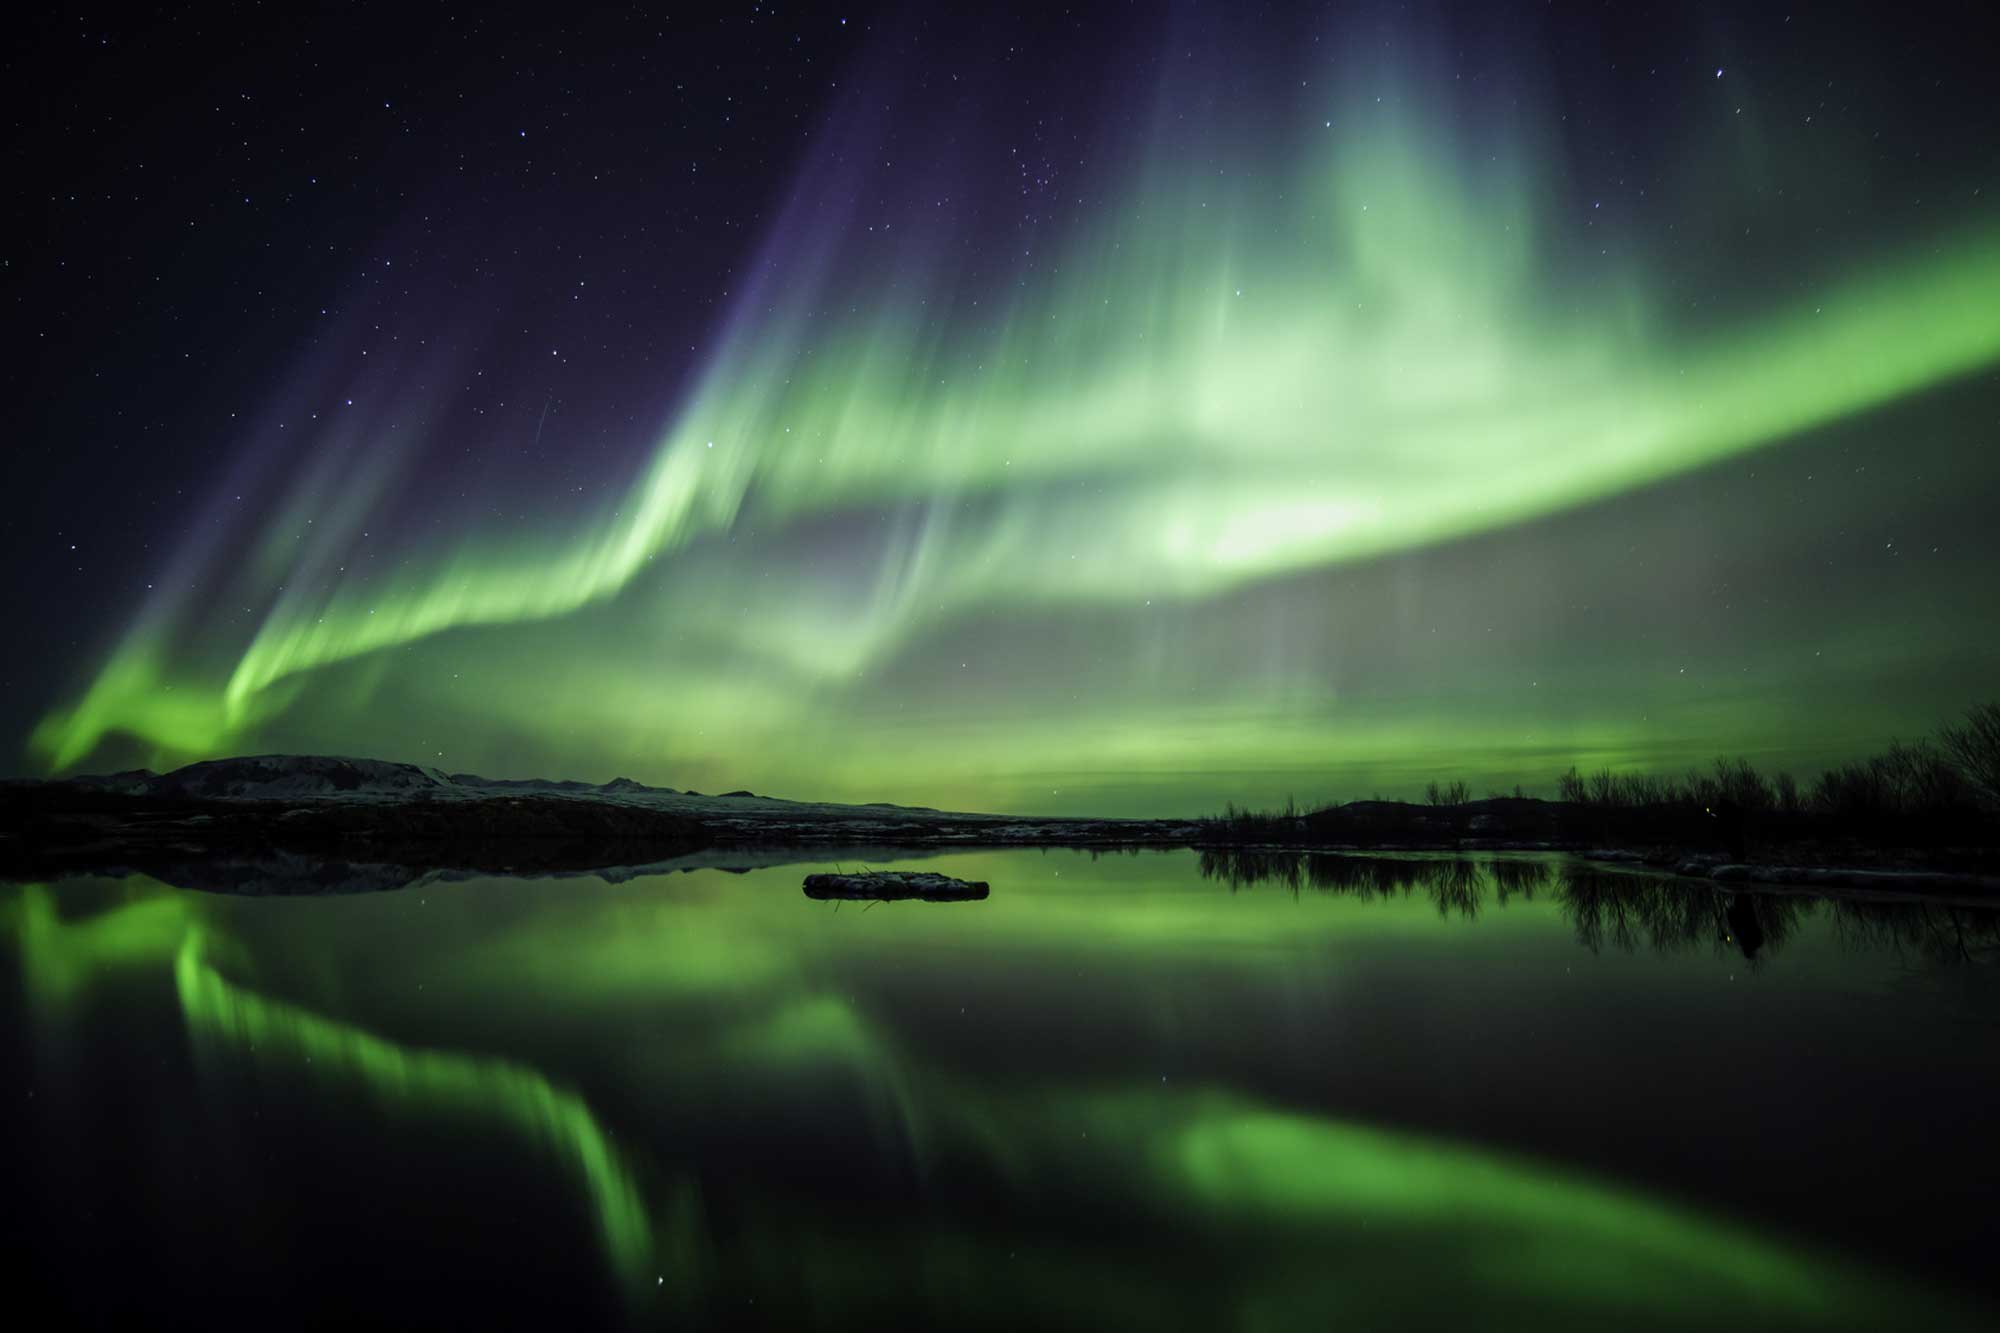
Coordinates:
(521, 784)
(627, 784)
(279, 776)
(307, 776)
(341, 778)
(615, 787)
(321, 823)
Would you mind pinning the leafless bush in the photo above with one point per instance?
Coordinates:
(1449, 793)
(1973, 746)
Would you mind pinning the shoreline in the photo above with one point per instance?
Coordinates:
(292, 813)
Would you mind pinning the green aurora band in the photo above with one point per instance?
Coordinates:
(1367, 350)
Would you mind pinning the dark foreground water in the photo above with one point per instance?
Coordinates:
(1160, 1090)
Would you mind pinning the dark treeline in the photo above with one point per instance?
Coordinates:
(1956, 772)
(1940, 790)
(1623, 910)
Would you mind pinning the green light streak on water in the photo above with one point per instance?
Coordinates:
(1583, 1240)
(60, 959)
(426, 1082)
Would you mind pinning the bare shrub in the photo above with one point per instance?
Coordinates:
(1973, 746)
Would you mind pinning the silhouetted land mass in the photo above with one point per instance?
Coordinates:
(1920, 817)
(307, 823)
(1930, 803)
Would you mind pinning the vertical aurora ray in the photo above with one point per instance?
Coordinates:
(1350, 345)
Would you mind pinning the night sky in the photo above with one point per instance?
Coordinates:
(1123, 409)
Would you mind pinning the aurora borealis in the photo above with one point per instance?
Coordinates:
(1121, 413)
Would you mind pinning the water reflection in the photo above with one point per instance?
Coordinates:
(232, 1023)
(1628, 912)
(1625, 910)
(1455, 885)
(1111, 1094)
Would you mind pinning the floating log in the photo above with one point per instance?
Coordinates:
(888, 886)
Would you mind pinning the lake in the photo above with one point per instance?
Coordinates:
(1170, 1089)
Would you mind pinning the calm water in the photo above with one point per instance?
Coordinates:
(1232, 1092)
